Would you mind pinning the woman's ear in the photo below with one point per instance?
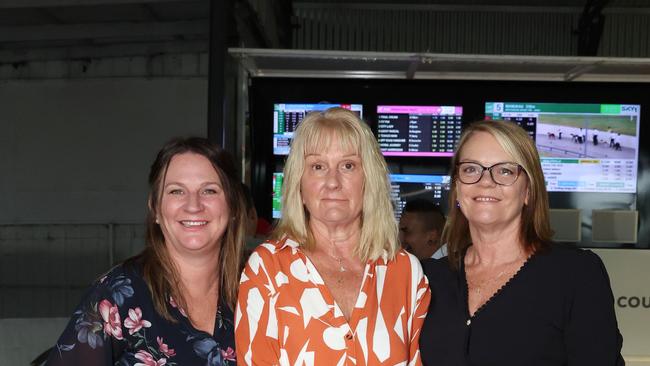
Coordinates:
(152, 208)
(527, 196)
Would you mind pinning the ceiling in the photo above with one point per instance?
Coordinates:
(44, 29)
(545, 3)
(36, 24)
(55, 29)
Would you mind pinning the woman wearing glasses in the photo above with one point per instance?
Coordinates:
(506, 295)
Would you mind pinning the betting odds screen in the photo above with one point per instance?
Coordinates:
(407, 187)
(277, 195)
(582, 147)
(418, 130)
(287, 117)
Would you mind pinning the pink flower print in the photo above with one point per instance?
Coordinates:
(228, 355)
(135, 322)
(173, 304)
(148, 359)
(164, 349)
(111, 316)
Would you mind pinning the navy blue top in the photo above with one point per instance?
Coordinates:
(116, 324)
(557, 310)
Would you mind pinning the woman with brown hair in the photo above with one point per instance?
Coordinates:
(174, 302)
(507, 295)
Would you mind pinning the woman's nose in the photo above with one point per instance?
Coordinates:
(193, 203)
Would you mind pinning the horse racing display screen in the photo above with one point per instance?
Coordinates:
(583, 147)
(287, 117)
(418, 130)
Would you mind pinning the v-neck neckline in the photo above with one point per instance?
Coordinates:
(318, 281)
(496, 294)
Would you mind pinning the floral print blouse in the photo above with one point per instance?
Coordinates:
(116, 324)
(286, 315)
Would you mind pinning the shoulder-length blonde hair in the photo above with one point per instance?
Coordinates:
(535, 232)
(158, 270)
(315, 133)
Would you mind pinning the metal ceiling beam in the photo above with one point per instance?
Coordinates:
(590, 27)
(368, 65)
(151, 12)
(9, 4)
(48, 16)
(104, 30)
(95, 52)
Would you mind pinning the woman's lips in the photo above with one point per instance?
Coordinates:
(193, 223)
(486, 199)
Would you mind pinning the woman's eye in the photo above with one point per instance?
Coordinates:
(469, 170)
(317, 167)
(348, 166)
(209, 191)
(176, 191)
(505, 171)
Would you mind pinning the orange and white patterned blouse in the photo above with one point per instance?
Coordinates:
(287, 316)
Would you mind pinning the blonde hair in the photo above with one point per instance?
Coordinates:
(315, 133)
(535, 232)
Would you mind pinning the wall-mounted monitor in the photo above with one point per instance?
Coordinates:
(278, 179)
(406, 187)
(418, 130)
(583, 147)
(287, 117)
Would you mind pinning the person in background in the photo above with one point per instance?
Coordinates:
(420, 229)
(332, 287)
(173, 303)
(253, 239)
(506, 295)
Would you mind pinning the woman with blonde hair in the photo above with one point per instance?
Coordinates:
(173, 304)
(507, 295)
(332, 287)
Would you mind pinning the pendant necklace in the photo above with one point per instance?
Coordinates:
(339, 261)
(479, 286)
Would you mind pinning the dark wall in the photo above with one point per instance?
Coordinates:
(472, 95)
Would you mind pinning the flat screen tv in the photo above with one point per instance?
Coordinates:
(406, 187)
(287, 117)
(418, 131)
(277, 195)
(582, 147)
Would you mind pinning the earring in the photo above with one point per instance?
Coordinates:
(157, 222)
(457, 203)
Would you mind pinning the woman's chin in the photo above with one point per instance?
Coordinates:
(485, 221)
(336, 218)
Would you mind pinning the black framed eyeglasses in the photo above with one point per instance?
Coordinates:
(504, 174)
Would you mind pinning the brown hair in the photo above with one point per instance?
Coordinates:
(158, 269)
(535, 232)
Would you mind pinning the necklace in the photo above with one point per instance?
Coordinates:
(339, 262)
(478, 287)
(338, 259)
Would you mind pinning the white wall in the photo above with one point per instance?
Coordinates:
(79, 150)
(22, 340)
(74, 161)
(629, 273)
